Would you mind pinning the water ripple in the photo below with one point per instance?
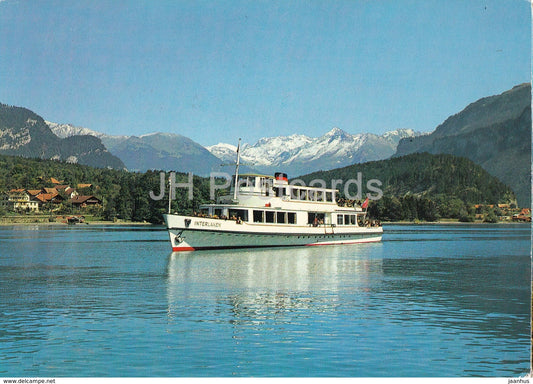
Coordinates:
(427, 301)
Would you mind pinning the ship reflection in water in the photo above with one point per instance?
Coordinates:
(253, 285)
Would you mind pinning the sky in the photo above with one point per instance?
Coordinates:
(216, 71)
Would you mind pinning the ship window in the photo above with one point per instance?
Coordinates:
(329, 196)
(352, 219)
(294, 194)
(280, 218)
(203, 212)
(258, 216)
(265, 184)
(316, 218)
(243, 182)
(238, 214)
(269, 216)
(247, 182)
(340, 220)
(303, 194)
(319, 196)
(346, 219)
(291, 217)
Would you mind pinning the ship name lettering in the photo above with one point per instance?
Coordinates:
(206, 224)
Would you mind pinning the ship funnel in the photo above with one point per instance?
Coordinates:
(281, 178)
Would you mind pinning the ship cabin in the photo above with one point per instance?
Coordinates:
(264, 186)
(271, 200)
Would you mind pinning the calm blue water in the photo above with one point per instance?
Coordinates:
(113, 301)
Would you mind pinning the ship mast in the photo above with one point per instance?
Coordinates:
(237, 170)
(169, 194)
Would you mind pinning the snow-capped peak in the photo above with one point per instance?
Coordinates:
(402, 132)
(67, 130)
(161, 134)
(225, 152)
(222, 145)
(335, 132)
(297, 154)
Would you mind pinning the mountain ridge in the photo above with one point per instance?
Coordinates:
(24, 133)
(494, 132)
(298, 154)
(295, 154)
(155, 150)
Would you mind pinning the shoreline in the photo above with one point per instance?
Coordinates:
(451, 222)
(88, 224)
(11, 221)
(44, 222)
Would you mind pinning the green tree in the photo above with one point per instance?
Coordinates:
(490, 216)
(465, 216)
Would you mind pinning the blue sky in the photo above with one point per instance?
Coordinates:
(218, 70)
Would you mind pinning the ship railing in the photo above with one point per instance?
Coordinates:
(349, 203)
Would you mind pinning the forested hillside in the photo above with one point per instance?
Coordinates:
(418, 186)
(125, 195)
(422, 186)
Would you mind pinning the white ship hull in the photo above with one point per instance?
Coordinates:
(267, 211)
(189, 233)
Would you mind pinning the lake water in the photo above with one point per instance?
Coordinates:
(429, 300)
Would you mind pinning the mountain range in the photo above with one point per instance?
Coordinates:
(24, 133)
(300, 154)
(494, 132)
(295, 154)
(165, 151)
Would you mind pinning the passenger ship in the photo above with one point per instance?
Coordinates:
(267, 211)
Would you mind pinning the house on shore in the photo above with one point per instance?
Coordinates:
(66, 190)
(18, 200)
(524, 215)
(86, 201)
(48, 198)
(35, 200)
